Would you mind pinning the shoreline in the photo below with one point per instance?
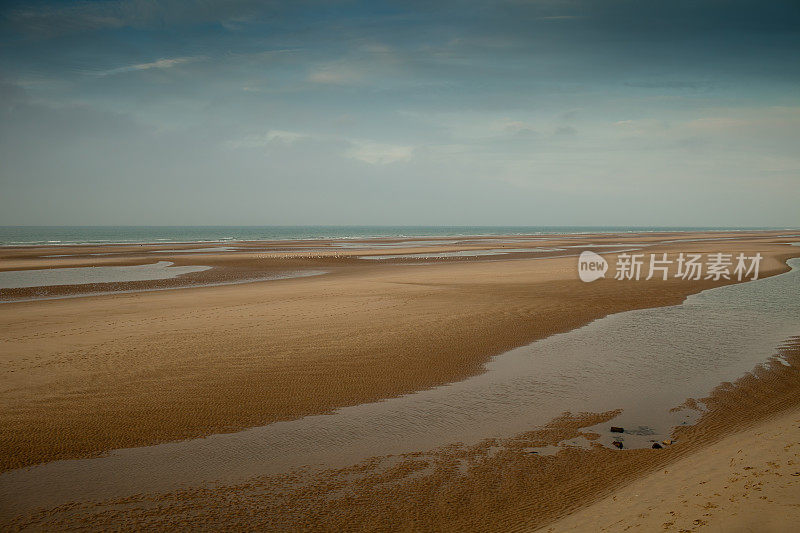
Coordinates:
(462, 412)
(496, 484)
(433, 309)
(744, 473)
(512, 299)
(588, 230)
(251, 262)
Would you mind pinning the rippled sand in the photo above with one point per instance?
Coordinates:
(88, 375)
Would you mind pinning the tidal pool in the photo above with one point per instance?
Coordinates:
(17, 279)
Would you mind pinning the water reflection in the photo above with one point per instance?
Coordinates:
(17, 279)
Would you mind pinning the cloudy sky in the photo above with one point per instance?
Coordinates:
(538, 112)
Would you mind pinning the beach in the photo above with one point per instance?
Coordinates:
(400, 266)
(284, 331)
(745, 482)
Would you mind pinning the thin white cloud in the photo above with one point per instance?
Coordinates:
(641, 127)
(508, 126)
(334, 75)
(285, 136)
(160, 64)
(378, 154)
(373, 153)
(262, 140)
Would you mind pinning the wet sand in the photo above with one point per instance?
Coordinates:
(86, 375)
(703, 479)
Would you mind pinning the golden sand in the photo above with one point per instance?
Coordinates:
(86, 375)
(703, 479)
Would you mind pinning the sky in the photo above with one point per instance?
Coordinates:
(512, 112)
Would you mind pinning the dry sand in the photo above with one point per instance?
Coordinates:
(85, 375)
(747, 482)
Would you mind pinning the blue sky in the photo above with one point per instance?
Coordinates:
(512, 112)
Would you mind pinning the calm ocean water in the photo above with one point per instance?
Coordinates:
(55, 235)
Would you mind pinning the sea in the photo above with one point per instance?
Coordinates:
(64, 235)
